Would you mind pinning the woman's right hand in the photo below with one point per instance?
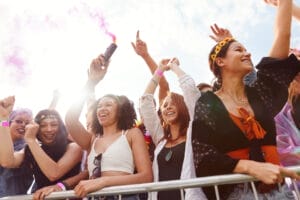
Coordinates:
(6, 107)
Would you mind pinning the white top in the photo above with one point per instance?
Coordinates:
(153, 125)
(117, 157)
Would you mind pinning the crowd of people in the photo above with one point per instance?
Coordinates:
(247, 121)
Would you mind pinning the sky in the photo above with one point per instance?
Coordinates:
(48, 45)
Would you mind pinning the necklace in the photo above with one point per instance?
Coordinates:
(170, 152)
(243, 102)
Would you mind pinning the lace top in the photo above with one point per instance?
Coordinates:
(214, 133)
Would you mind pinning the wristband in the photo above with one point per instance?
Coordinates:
(62, 186)
(159, 72)
(4, 123)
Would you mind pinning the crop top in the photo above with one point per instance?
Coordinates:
(117, 157)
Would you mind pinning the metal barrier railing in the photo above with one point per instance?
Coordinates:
(164, 185)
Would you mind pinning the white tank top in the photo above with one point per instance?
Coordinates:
(117, 157)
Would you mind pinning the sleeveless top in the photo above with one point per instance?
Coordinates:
(117, 157)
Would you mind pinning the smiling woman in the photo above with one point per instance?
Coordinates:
(49, 155)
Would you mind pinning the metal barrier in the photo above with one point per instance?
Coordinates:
(164, 185)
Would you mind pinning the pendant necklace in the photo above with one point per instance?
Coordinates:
(170, 152)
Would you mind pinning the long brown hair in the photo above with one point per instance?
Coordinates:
(183, 116)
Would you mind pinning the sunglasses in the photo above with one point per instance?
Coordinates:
(19, 121)
(97, 170)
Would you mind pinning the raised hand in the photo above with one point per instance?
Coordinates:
(97, 70)
(219, 33)
(272, 2)
(140, 47)
(167, 64)
(31, 131)
(6, 106)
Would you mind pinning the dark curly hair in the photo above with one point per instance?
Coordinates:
(126, 114)
(216, 68)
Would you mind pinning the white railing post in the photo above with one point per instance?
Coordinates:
(217, 192)
(254, 190)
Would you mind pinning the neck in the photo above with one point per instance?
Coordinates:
(110, 130)
(175, 132)
(233, 86)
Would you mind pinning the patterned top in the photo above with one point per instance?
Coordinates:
(214, 133)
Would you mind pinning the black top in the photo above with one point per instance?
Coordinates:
(171, 169)
(55, 154)
(214, 133)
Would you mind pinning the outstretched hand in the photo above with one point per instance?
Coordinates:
(272, 2)
(219, 33)
(97, 70)
(140, 47)
(6, 106)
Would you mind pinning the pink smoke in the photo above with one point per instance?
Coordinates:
(96, 15)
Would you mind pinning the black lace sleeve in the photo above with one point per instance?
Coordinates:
(208, 159)
(273, 79)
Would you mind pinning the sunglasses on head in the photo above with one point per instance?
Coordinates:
(19, 121)
(97, 170)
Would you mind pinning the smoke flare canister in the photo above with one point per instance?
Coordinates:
(109, 51)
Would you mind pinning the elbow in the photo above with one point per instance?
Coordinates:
(148, 177)
(53, 176)
(6, 164)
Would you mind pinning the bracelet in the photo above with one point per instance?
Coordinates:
(4, 123)
(159, 72)
(154, 81)
(62, 186)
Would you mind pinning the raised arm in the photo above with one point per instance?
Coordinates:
(81, 136)
(295, 8)
(53, 170)
(142, 163)
(8, 158)
(282, 30)
(140, 47)
(189, 89)
(55, 99)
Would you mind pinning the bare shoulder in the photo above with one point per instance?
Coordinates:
(74, 146)
(134, 134)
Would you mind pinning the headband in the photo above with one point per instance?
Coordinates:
(219, 47)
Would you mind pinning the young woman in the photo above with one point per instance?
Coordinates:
(169, 133)
(233, 128)
(16, 181)
(49, 154)
(115, 148)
